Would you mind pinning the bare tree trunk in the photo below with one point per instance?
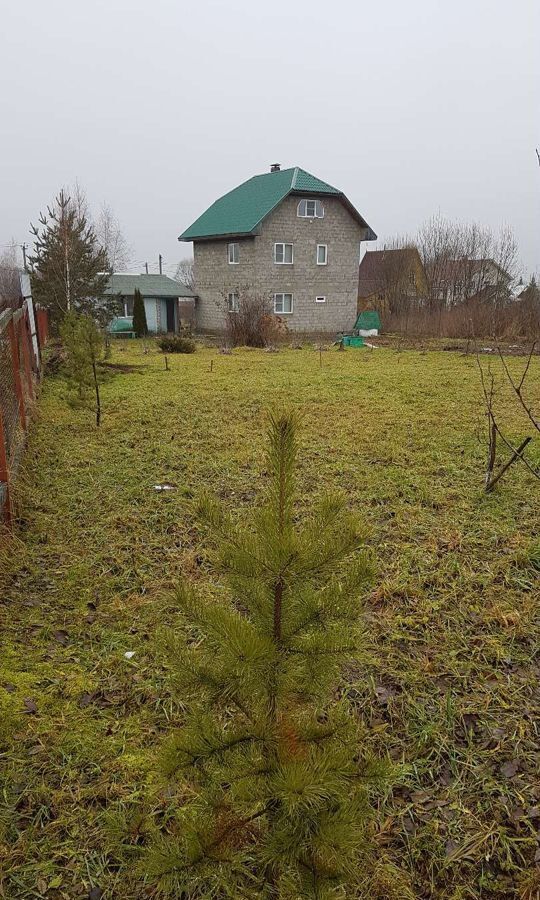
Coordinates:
(517, 454)
(98, 399)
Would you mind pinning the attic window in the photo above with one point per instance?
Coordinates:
(310, 209)
(234, 254)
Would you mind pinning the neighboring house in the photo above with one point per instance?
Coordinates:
(167, 303)
(388, 278)
(462, 280)
(285, 235)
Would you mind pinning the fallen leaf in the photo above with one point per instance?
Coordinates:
(384, 694)
(95, 893)
(510, 768)
(61, 636)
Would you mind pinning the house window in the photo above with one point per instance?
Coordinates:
(322, 254)
(128, 307)
(320, 299)
(233, 302)
(283, 303)
(310, 209)
(234, 254)
(412, 279)
(283, 254)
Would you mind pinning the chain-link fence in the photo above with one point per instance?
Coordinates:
(22, 333)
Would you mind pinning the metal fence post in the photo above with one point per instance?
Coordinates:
(25, 340)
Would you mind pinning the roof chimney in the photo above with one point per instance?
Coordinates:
(275, 167)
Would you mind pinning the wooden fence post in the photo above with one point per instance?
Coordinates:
(16, 366)
(4, 472)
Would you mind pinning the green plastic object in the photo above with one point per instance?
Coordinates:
(368, 321)
(121, 326)
(351, 340)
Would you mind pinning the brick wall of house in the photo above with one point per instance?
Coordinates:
(337, 281)
(215, 277)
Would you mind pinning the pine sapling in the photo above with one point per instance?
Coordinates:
(83, 343)
(270, 761)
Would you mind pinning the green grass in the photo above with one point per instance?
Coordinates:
(451, 686)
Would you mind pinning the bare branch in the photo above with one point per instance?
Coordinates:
(518, 387)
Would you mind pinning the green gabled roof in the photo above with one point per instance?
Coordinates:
(124, 283)
(241, 211)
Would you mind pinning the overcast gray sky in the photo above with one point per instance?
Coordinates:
(160, 107)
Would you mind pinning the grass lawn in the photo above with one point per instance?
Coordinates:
(450, 688)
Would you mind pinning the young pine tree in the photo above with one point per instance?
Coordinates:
(69, 267)
(271, 767)
(139, 315)
(83, 344)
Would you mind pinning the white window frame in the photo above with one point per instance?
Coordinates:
(231, 253)
(283, 262)
(325, 263)
(320, 299)
(319, 209)
(283, 312)
(233, 302)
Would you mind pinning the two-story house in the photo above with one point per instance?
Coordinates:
(285, 235)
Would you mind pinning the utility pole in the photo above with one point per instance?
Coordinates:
(146, 267)
(160, 264)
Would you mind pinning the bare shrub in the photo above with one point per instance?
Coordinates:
(250, 320)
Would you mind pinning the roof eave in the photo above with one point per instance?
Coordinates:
(230, 235)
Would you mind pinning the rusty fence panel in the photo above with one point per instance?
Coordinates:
(20, 370)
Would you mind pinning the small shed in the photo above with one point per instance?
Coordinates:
(168, 303)
(368, 323)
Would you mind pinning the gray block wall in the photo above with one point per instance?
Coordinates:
(257, 271)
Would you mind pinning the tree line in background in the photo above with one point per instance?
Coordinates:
(454, 280)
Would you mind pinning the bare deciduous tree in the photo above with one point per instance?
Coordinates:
(185, 273)
(464, 261)
(10, 288)
(112, 240)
